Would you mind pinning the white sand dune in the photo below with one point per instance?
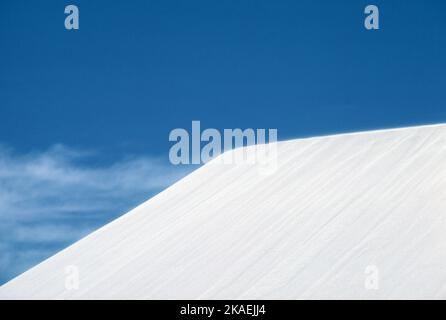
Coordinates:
(338, 210)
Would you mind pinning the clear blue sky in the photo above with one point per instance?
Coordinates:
(138, 69)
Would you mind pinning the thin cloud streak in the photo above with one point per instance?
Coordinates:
(52, 198)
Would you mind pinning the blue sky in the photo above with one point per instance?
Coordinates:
(97, 104)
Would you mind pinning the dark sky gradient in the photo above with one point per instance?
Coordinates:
(137, 69)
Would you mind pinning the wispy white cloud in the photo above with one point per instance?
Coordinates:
(50, 199)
